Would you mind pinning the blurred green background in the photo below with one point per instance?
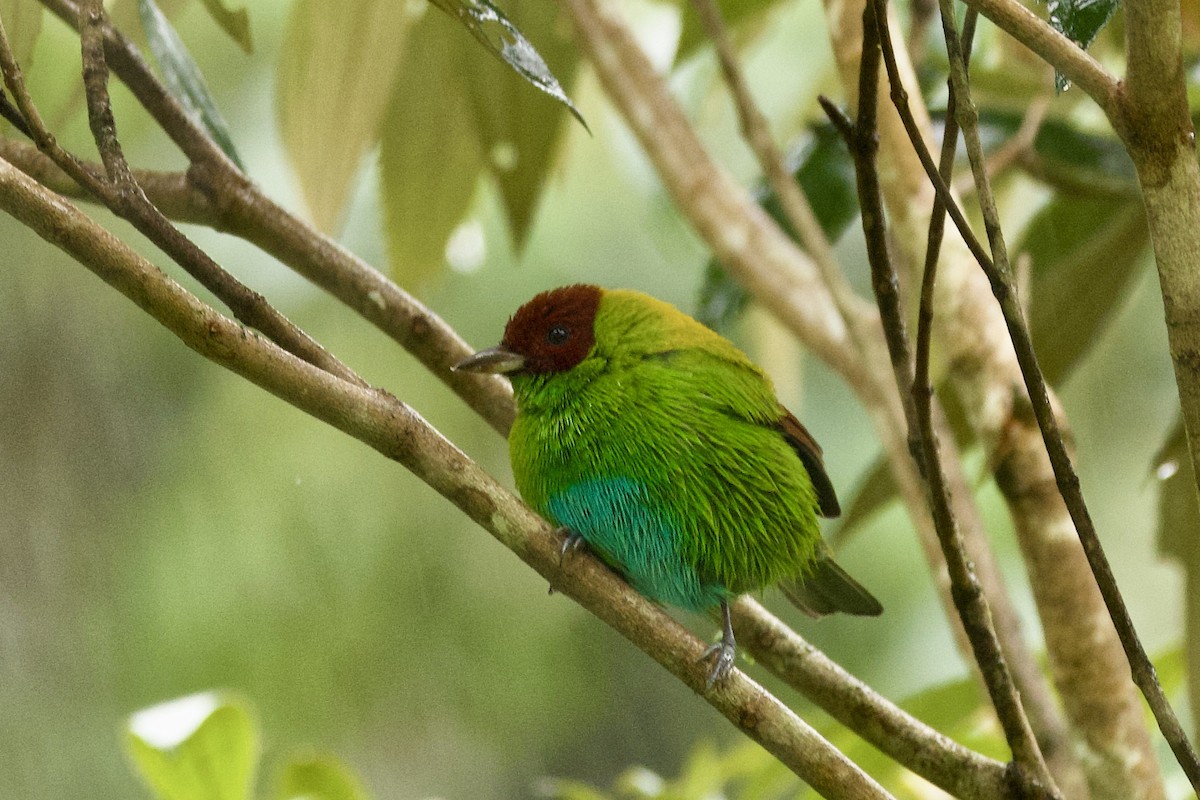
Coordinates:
(167, 528)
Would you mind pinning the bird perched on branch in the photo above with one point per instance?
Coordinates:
(660, 445)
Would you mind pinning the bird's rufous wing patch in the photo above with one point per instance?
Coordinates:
(810, 453)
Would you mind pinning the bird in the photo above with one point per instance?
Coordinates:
(660, 445)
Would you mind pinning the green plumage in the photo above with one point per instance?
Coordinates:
(663, 446)
(665, 402)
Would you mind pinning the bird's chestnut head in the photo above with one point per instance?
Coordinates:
(551, 333)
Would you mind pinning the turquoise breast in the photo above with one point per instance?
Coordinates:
(618, 520)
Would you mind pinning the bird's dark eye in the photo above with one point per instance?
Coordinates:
(558, 334)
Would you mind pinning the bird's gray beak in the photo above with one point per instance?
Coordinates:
(494, 360)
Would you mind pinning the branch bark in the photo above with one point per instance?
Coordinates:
(395, 430)
(972, 606)
(1088, 663)
(238, 206)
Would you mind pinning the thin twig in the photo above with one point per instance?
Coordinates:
(242, 208)
(968, 596)
(394, 429)
(1049, 728)
(757, 133)
(125, 198)
(1054, 48)
(1016, 148)
(10, 113)
(938, 759)
(1000, 275)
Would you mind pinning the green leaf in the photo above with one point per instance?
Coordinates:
(235, 22)
(22, 24)
(200, 747)
(1177, 506)
(319, 778)
(182, 76)
(874, 490)
(452, 115)
(430, 157)
(1083, 254)
(825, 172)
(735, 13)
(1080, 21)
(336, 74)
(722, 299)
(518, 128)
(504, 40)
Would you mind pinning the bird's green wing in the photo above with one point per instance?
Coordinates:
(744, 392)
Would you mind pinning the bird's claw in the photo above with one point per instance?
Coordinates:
(722, 655)
(571, 543)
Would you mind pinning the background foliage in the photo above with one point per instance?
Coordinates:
(167, 528)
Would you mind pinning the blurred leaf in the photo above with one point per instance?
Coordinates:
(200, 747)
(338, 66)
(874, 490)
(182, 77)
(1065, 145)
(1080, 21)
(736, 13)
(236, 23)
(503, 39)
(1083, 252)
(722, 299)
(430, 156)
(320, 778)
(452, 114)
(825, 172)
(1088, 160)
(22, 25)
(1178, 511)
(517, 128)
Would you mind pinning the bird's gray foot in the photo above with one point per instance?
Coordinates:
(571, 543)
(723, 653)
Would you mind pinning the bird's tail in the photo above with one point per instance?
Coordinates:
(827, 589)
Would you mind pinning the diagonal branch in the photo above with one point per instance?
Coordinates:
(394, 429)
(118, 191)
(1003, 286)
(1055, 49)
(757, 133)
(1088, 663)
(972, 606)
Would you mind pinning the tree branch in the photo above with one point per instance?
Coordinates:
(118, 190)
(935, 757)
(1055, 49)
(1087, 659)
(969, 599)
(391, 427)
(240, 207)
